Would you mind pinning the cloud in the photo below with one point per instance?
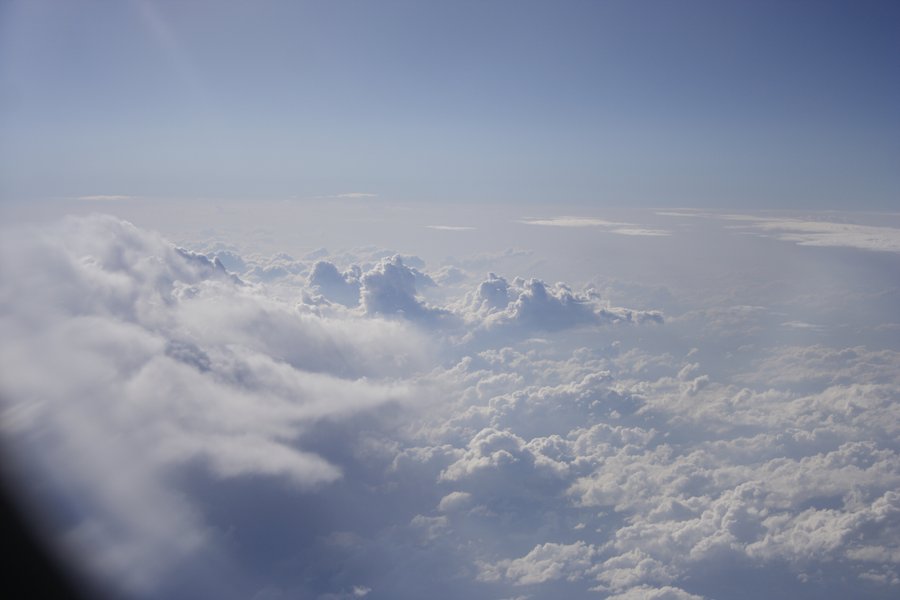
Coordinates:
(571, 222)
(390, 289)
(678, 501)
(651, 593)
(450, 227)
(824, 233)
(454, 501)
(354, 195)
(327, 432)
(679, 213)
(340, 287)
(640, 231)
(161, 360)
(610, 226)
(343, 196)
(546, 562)
(532, 305)
(105, 198)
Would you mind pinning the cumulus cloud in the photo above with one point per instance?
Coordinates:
(698, 474)
(650, 593)
(337, 286)
(160, 359)
(455, 501)
(546, 562)
(197, 424)
(534, 305)
(390, 289)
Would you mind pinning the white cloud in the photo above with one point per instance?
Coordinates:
(640, 231)
(571, 222)
(390, 289)
(358, 423)
(159, 359)
(610, 226)
(356, 195)
(534, 305)
(455, 501)
(450, 227)
(824, 233)
(546, 562)
(650, 593)
(337, 286)
(105, 198)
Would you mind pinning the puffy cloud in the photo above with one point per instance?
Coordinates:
(499, 467)
(455, 501)
(532, 305)
(430, 527)
(493, 294)
(334, 285)
(818, 366)
(649, 593)
(330, 433)
(390, 289)
(161, 360)
(546, 562)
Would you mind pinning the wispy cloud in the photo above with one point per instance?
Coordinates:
(105, 198)
(341, 196)
(678, 213)
(355, 195)
(450, 227)
(610, 226)
(824, 233)
(571, 222)
(640, 231)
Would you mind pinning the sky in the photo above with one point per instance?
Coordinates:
(717, 104)
(492, 300)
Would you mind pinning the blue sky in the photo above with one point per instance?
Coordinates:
(723, 104)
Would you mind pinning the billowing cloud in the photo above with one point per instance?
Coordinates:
(216, 422)
(546, 562)
(390, 289)
(160, 359)
(534, 305)
(340, 287)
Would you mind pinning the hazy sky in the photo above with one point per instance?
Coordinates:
(609, 103)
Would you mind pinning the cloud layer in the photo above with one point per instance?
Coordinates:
(363, 424)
